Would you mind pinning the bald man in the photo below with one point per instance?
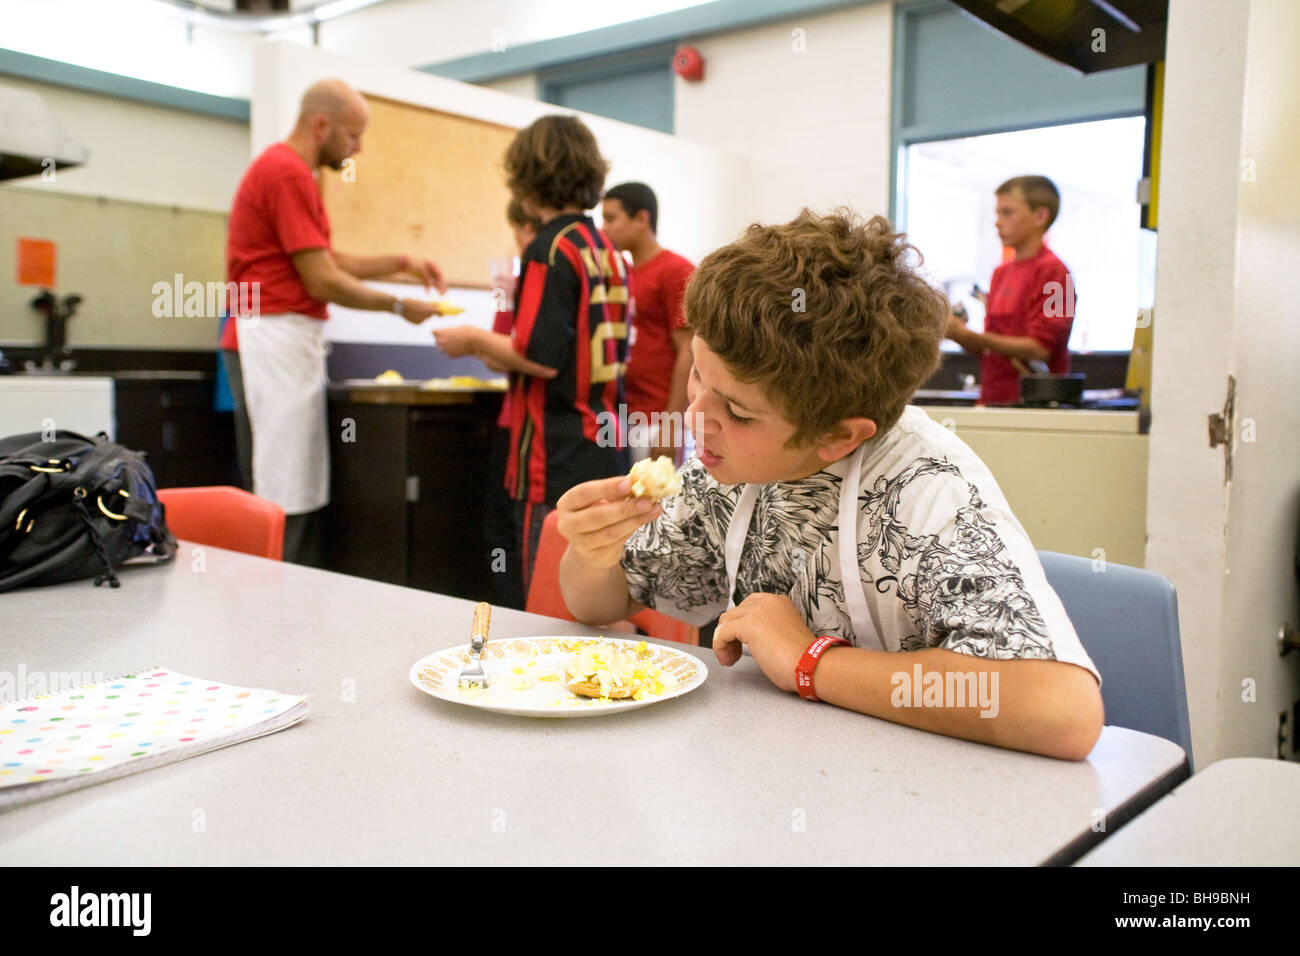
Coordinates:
(279, 239)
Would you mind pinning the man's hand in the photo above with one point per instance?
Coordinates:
(956, 323)
(597, 518)
(458, 340)
(427, 272)
(772, 629)
(416, 311)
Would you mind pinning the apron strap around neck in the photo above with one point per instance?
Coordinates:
(850, 571)
(736, 532)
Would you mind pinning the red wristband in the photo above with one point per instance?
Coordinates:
(803, 673)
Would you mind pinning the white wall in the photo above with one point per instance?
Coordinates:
(701, 189)
(137, 38)
(143, 153)
(419, 32)
(815, 123)
(1264, 497)
(1224, 306)
(525, 85)
(148, 40)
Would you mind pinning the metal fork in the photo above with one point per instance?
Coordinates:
(473, 676)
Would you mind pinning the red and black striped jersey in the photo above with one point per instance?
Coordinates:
(571, 315)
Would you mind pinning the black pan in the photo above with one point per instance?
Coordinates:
(1064, 389)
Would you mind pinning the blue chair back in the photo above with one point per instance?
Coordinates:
(1127, 620)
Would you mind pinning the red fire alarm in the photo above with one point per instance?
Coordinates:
(688, 64)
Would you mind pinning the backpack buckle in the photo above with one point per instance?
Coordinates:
(18, 525)
(63, 465)
(99, 500)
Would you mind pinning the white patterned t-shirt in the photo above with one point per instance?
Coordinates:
(943, 561)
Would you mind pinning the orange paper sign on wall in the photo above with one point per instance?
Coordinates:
(36, 262)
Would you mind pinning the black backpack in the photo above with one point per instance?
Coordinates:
(75, 507)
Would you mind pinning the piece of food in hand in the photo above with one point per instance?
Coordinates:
(390, 378)
(655, 479)
(446, 307)
(610, 671)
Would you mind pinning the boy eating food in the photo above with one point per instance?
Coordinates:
(861, 552)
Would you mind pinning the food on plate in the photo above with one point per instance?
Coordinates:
(654, 479)
(464, 381)
(389, 378)
(612, 671)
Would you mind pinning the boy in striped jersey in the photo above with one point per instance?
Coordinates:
(568, 350)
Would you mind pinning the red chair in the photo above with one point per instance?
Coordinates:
(544, 595)
(225, 517)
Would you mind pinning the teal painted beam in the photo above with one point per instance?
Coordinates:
(719, 16)
(57, 73)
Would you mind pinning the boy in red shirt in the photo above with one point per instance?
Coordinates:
(659, 350)
(1030, 304)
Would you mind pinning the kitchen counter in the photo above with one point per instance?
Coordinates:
(33, 403)
(1075, 478)
(406, 393)
(1001, 418)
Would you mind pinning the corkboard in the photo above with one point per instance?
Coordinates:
(426, 183)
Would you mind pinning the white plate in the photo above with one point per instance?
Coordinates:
(538, 657)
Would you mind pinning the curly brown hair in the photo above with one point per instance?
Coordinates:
(555, 162)
(829, 315)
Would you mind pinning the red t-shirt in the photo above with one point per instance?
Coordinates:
(657, 290)
(277, 211)
(1033, 297)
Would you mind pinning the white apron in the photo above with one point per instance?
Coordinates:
(864, 630)
(283, 363)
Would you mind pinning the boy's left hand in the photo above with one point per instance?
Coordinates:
(458, 340)
(772, 629)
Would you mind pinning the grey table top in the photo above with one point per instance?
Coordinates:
(1237, 812)
(734, 772)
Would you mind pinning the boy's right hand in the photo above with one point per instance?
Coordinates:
(597, 518)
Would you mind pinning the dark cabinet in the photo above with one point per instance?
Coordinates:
(407, 487)
(172, 420)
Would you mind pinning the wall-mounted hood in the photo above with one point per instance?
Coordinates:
(31, 141)
(1088, 35)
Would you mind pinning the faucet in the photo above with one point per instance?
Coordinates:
(56, 315)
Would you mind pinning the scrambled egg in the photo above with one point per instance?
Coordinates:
(610, 671)
(390, 378)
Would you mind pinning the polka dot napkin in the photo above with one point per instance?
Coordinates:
(62, 741)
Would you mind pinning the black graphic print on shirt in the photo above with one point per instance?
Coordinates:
(964, 594)
(957, 584)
